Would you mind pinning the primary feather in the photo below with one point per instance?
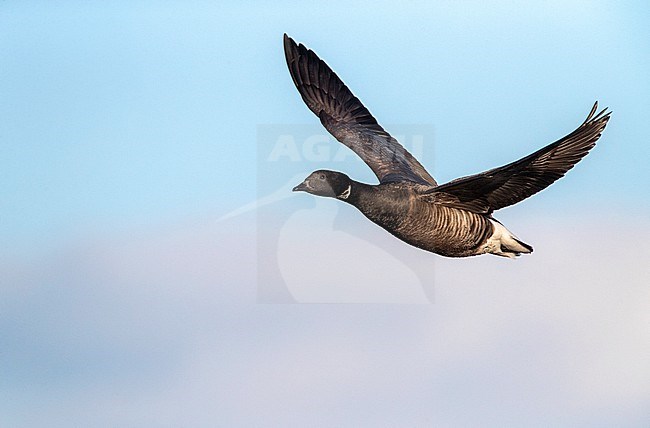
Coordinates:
(343, 115)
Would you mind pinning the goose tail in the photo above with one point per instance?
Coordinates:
(504, 243)
(514, 245)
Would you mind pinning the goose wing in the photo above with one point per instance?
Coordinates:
(500, 187)
(343, 115)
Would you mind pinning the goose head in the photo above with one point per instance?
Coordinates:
(329, 184)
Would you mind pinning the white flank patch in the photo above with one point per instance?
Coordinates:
(499, 236)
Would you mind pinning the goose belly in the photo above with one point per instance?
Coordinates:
(446, 231)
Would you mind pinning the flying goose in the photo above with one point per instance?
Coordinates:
(452, 219)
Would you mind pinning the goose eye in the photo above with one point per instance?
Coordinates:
(322, 176)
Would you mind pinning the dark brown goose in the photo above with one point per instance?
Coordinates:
(452, 219)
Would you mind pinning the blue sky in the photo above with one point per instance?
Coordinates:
(116, 115)
(128, 128)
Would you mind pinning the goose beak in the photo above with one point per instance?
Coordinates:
(302, 187)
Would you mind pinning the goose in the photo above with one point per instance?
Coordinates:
(452, 219)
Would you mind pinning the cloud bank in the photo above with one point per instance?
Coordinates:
(166, 328)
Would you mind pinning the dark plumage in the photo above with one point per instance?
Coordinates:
(453, 219)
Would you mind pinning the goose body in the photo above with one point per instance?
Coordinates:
(453, 219)
(398, 208)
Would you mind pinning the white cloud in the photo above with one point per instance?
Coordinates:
(165, 329)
